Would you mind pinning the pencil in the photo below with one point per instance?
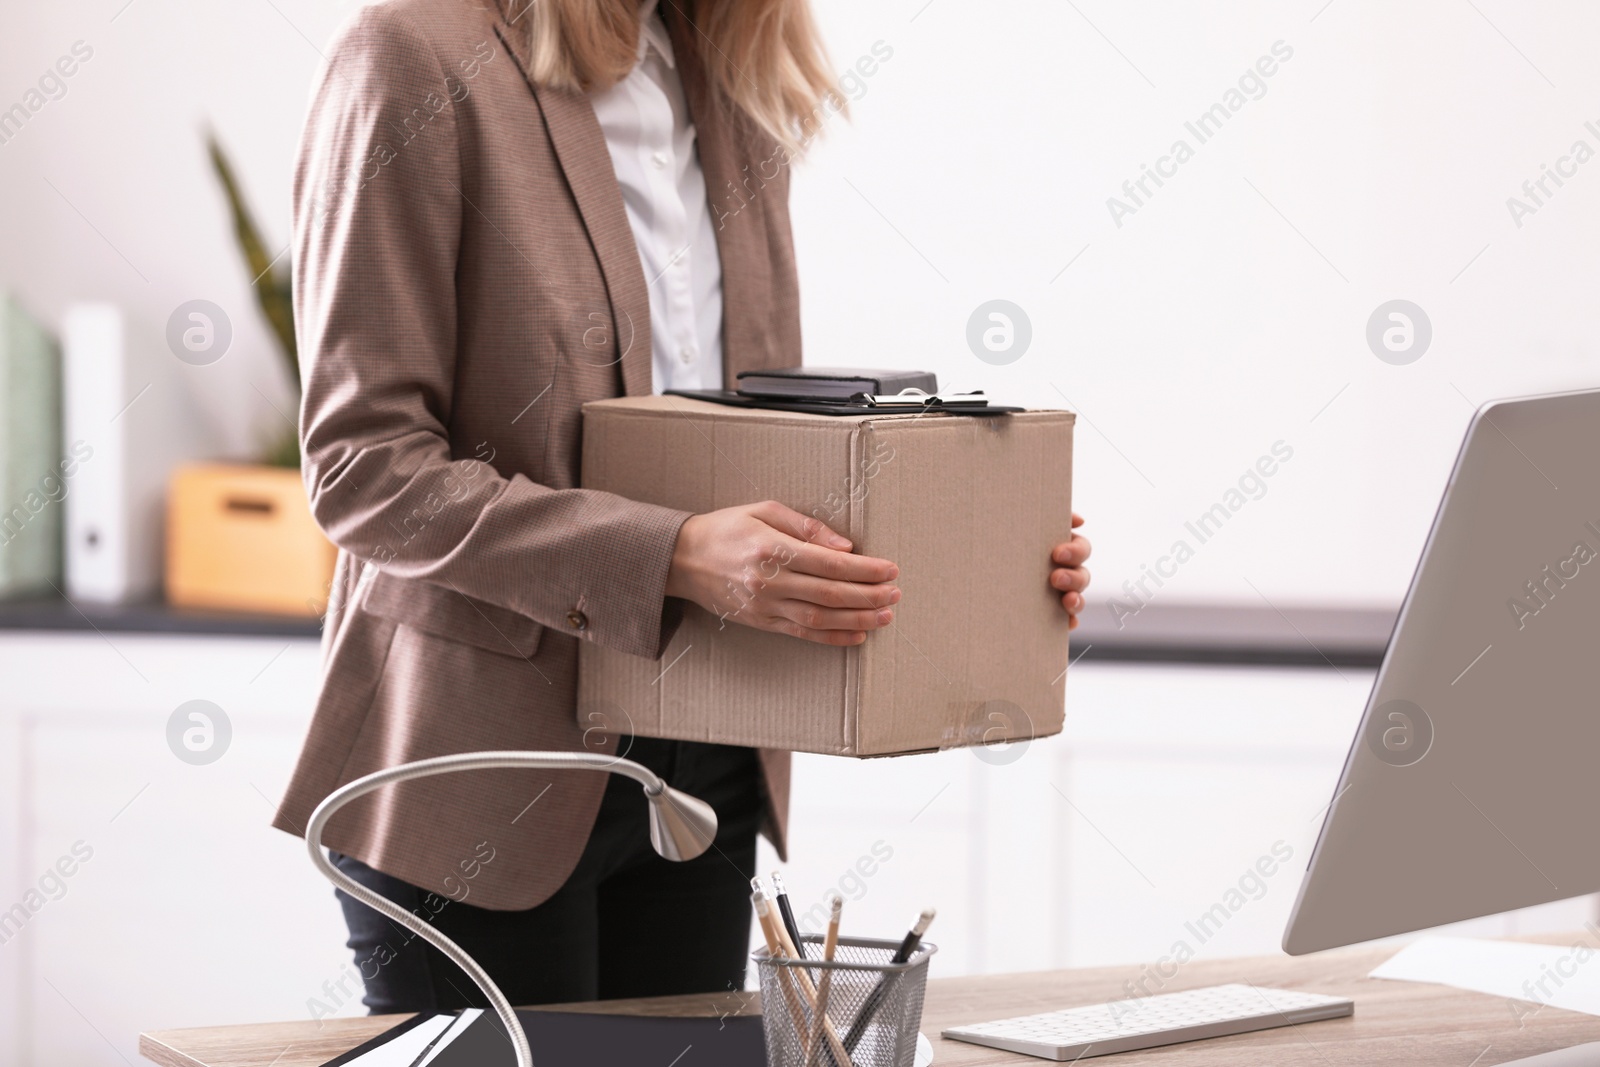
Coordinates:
(831, 942)
(825, 983)
(775, 951)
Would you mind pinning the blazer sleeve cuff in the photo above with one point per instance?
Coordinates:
(639, 618)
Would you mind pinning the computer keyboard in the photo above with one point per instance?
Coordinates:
(1146, 1022)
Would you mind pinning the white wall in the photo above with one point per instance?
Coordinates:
(106, 193)
(1227, 314)
(1206, 328)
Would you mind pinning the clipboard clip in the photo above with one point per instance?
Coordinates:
(916, 398)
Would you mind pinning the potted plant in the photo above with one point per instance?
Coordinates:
(241, 536)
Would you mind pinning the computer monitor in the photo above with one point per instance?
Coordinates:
(1471, 787)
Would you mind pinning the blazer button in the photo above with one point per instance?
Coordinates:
(577, 620)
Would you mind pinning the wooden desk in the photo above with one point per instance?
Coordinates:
(1394, 1022)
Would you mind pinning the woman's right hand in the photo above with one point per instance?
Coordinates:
(769, 567)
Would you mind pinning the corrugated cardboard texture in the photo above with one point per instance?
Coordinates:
(969, 509)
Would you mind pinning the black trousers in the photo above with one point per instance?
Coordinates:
(627, 923)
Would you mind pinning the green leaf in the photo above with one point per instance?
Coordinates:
(270, 280)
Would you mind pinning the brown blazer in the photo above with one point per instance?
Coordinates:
(466, 278)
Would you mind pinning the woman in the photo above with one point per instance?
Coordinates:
(502, 212)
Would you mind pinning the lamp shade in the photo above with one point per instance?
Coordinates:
(681, 826)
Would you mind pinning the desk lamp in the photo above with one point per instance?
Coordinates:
(681, 828)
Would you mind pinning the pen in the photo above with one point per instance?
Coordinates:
(875, 999)
(825, 983)
(782, 897)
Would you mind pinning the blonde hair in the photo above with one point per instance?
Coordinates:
(764, 57)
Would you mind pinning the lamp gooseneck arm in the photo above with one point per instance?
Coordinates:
(467, 761)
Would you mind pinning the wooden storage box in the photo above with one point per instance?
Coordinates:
(241, 538)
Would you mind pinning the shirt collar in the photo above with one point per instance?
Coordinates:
(652, 34)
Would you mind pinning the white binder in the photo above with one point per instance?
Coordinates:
(126, 400)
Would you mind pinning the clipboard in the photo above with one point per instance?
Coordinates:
(859, 405)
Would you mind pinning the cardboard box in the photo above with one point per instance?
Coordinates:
(242, 538)
(969, 508)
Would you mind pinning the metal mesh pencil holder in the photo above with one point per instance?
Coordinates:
(873, 1007)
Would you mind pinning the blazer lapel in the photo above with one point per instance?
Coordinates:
(581, 147)
(734, 200)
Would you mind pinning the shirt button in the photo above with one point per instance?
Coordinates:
(687, 353)
(660, 159)
(577, 620)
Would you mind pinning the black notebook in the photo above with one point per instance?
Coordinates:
(580, 1039)
(833, 383)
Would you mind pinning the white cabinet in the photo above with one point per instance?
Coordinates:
(1102, 845)
(1112, 842)
(191, 908)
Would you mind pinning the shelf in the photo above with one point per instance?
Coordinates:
(1160, 633)
(56, 614)
(1238, 634)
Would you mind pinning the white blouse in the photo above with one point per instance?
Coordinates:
(652, 144)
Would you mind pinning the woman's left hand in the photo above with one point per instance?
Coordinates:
(1068, 575)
